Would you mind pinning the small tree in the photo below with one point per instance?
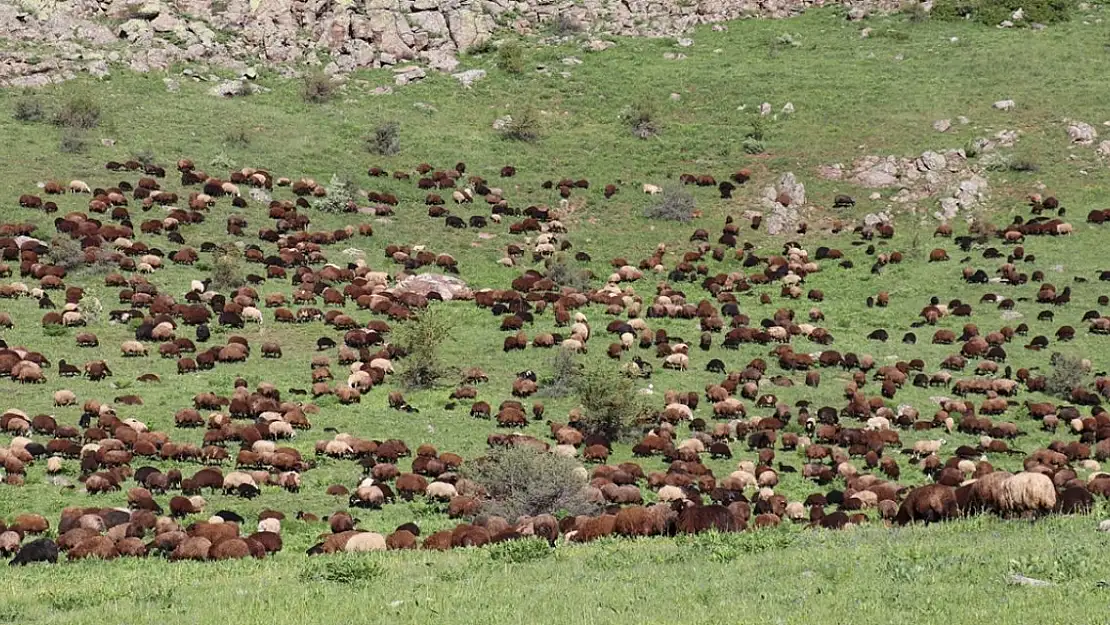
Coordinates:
(421, 337)
(1068, 372)
(522, 481)
(675, 204)
(611, 406)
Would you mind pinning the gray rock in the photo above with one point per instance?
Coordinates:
(1004, 105)
(405, 75)
(259, 195)
(502, 122)
(1104, 525)
(942, 125)
(448, 287)
(931, 161)
(1104, 149)
(598, 45)
(765, 109)
(232, 88)
(172, 85)
(383, 90)
(98, 69)
(685, 42)
(1082, 133)
(572, 60)
(1018, 579)
(788, 108)
(469, 77)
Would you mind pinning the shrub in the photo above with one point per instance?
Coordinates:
(1024, 165)
(340, 194)
(482, 46)
(611, 406)
(674, 204)
(562, 273)
(239, 137)
(522, 481)
(66, 252)
(642, 118)
(145, 157)
(525, 126)
(1068, 372)
(994, 12)
(79, 111)
(317, 88)
(227, 269)
(342, 569)
(753, 146)
(91, 308)
(565, 24)
(386, 139)
(29, 110)
(422, 337)
(520, 551)
(55, 330)
(510, 58)
(72, 142)
(565, 374)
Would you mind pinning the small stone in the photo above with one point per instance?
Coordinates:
(685, 42)
(788, 108)
(676, 97)
(1021, 580)
(502, 122)
(98, 69)
(1082, 133)
(383, 90)
(875, 196)
(865, 33)
(942, 125)
(1005, 105)
(469, 77)
(1104, 149)
(107, 142)
(963, 120)
(765, 109)
(856, 14)
(1104, 525)
(172, 86)
(1006, 24)
(572, 60)
(1018, 15)
(599, 45)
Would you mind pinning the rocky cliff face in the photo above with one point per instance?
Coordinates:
(340, 35)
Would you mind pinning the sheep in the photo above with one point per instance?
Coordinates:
(1027, 493)
(365, 541)
(133, 348)
(652, 189)
(65, 397)
(931, 503)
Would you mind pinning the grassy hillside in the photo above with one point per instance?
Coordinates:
(853, 95)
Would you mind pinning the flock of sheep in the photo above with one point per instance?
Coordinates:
(714, 285)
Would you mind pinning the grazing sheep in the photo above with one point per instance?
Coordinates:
(1027, 493)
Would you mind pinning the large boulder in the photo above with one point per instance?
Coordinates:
(448, 287)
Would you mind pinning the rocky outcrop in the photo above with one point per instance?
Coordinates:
(339, 35)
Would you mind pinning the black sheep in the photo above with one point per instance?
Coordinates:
(40, 550)
(203, 333)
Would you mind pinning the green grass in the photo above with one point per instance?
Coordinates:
(853, 97)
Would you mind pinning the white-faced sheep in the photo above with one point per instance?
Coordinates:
(133, 348)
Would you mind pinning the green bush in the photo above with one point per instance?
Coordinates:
(386, 139)
(674, 204)
(524, 126)
(1068, 372)
(510, 58)
(753, 146)
(54, 330)
(342, 569)
(227, 269)
(994, 12)
(643, 118)
(340, 194)
(520, 551)
(30, 109)
(317, 88)
(72, 142)
(562, 273)
(145, 157)
(422, 337)
(66, 252)
(238, 137)
(79, 111)
(522, 481)
(565, 373)
(610, 403)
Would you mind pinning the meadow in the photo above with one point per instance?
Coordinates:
(853, 96)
